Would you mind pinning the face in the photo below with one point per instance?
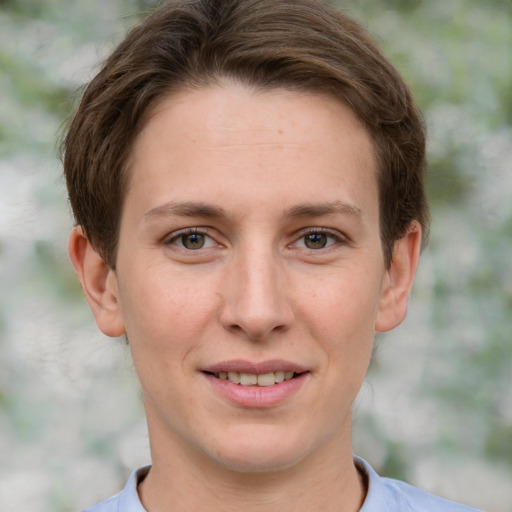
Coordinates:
(250, 277)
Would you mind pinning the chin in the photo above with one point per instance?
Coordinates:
(254, 463)
(253, 452)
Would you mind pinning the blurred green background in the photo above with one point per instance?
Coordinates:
(436, 408)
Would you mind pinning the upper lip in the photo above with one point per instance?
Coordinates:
(258, 368)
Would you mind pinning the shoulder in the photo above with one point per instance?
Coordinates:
(388, 495)
(127, 500)
(109, 505)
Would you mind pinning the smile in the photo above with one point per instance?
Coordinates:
(253, 379)
(256, 385)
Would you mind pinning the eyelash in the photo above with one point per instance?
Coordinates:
(182, 234)
(174, 237)
(337, 237)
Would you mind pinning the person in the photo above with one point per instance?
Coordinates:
(247, 180)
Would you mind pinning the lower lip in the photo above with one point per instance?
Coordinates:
(257, 396)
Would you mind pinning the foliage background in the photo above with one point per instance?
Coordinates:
(436, 409)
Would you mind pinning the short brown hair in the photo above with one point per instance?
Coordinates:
(302, 45)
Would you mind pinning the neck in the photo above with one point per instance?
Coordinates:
(326, 480)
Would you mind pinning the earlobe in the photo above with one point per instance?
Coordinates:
(399, 280)
(99, 283)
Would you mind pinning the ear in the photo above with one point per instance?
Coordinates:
(398, 280)
(99, 283)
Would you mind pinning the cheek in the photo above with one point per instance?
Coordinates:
(343, 307)
(165, 313)
(342, 318)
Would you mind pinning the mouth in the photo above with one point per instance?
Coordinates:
(263, 384)
(254, 379)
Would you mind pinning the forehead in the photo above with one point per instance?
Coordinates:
(215, 141)
(230, 112)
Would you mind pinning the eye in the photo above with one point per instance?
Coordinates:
(317, 239)
(192, 240)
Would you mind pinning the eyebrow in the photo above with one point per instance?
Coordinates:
(205, 210)
(186, 209)
(319, 210)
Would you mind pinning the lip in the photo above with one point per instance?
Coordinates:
(256, 397)
(239, 365)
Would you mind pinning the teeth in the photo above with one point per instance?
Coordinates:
(251, 379)
(266, 379)
(248, 379)
(234, 377)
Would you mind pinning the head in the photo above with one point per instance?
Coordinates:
(247, 177)
(299, 45)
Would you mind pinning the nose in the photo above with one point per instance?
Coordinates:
(256, 296)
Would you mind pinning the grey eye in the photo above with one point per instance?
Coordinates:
(316, 240)
(193, 241)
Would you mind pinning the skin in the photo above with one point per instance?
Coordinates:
(281, 189)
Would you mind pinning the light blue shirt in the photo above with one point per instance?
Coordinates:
(384, 495)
